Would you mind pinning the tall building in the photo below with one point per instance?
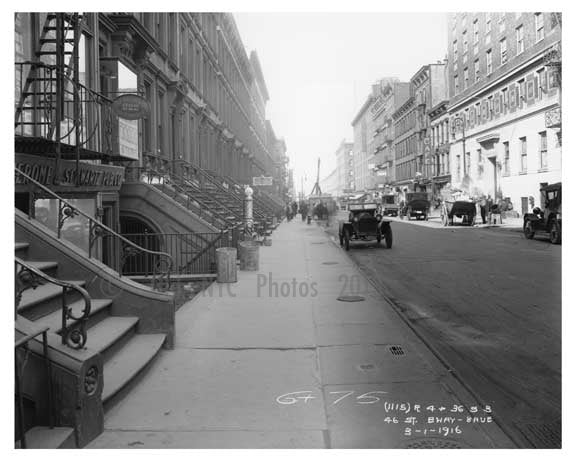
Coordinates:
(505, 103)
(414, 155)
(362, 129)
(389, 95)
(345, 168)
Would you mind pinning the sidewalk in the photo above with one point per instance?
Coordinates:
(277, 361)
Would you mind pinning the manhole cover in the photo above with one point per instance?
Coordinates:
(367, 367)
(350, 298)
(396, 350)
(430, 442)
(330, 263)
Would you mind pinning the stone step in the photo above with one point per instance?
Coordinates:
(105, 334)
(43, 293)
(44, 266)
(21, 246)
(44, 437)
(54, 319)
(123, 366)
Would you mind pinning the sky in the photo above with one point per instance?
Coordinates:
(319, 68)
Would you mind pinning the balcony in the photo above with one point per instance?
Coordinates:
(75, 117)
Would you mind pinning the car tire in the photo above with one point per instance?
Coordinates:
(388, 236)
(529, 229)
(346, 239)
(555, 233)
(341, 239)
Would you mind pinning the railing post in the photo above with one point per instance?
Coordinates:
(248, 219)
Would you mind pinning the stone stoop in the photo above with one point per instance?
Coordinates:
(125, 353)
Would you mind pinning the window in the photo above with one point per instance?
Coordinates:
(506, 158)
(466, 77)
(478, 114)
(488, 62)
(159, 118)
(467, 165)
(504, 99)
(521, 92)
(519, 39)
(523, 156)
(455, 49)
(539, 83)
(502, 22)
(465, 45)
(488, 23)
(476, 70)
(475, 32)
(503, 52)
(455, 84)
(539, 24)
(543, 150)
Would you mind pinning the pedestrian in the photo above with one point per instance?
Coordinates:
(483, 208)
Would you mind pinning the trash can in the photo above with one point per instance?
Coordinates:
(226, 265)
(249, 255)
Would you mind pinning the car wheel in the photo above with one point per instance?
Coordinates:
(409, 213)
(529, 229)
(555, 233)
(341, 239)
(346, 239)
(388, 237)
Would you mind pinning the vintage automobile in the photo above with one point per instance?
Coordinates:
(390, 205)
(364, 224)
(465, 210)
(417, 205)
(548, 220)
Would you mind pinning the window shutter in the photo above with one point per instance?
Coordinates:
(497, 102)
(512, 98)
(530, 89)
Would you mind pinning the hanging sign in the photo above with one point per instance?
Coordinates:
(131, 107)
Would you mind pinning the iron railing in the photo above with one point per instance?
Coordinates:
(164, 183)
(21, 351)
(85, 117)
(192, 253)
(113, 247)
(73, 329)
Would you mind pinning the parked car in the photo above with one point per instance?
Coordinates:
(417, 205)
(390, 205)
(548, 220)
(364, 224)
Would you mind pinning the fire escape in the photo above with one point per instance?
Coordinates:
(56, 115)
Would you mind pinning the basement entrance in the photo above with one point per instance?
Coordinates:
(143, 235)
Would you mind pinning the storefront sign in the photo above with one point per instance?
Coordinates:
(262, 181)
(101, 177)
(131, 107)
